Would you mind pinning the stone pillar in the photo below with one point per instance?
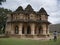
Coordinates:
(20, 29)
(12, 29)
(8, 28)
(32, 28)
(44, 29)
(48, 30)
(12, 32)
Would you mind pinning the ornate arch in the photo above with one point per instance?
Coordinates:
(16, 30)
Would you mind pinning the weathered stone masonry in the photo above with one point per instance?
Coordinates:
(27, 23)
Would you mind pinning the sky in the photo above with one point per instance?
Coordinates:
(52, 7)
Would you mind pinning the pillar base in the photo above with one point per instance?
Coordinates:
(28, 36)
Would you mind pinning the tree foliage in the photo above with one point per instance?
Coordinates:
(3, 18)
(2, 1)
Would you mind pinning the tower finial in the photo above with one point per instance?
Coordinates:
(29, 8)
(42, 10)
(20, 8)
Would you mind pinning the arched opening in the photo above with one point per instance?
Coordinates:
(23, 30)
(28, 30)
(40, 30)
(16, 30)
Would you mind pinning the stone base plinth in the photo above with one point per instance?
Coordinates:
(28, 36)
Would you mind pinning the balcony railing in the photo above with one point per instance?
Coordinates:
(29, 20)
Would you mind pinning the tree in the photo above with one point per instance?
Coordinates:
(2, 1)
(3, 18)
(2, 21)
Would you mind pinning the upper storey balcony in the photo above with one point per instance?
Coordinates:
(26, 18)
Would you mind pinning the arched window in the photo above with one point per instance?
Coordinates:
(28, 30)
(40, 29)
(23, 30)
(16, 30)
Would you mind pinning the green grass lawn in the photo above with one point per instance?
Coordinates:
(15, 41)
